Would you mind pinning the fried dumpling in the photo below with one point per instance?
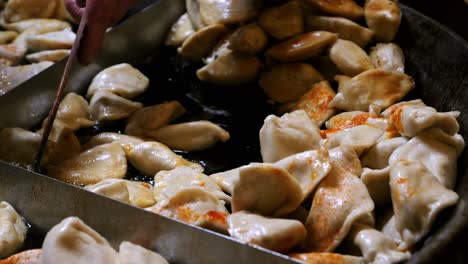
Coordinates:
(302, 47)
(249, 39)
(7, 36)
(383, 17)
(347, 120)
(16, 10)
(152, 157)
(279, 235)
(410, 119)
(40, 25)
(227, 179)
(349, 57)
(130, 253)
(340, 201)
(126, 142)
(73, 111)
(12, 230)
(168, 183)
(48, 55)
(286, 83)
(231, 69)
(19, 146)
(345, 28)
(106, 106)
(266, 189)
(388, 56)
(200, 43)
(52, 40)
(417, 198)
(72, 241)
(344, 8)
(180, 31)
(195, 206)
(284, 136)
(316, 103)
(437, 151)
(193, 12)
(326, 258)
(373, 87)
(31, 256)
(376, 247)
(145, 121)
(228, 11)
(191, 136)
(92, 166)
(14, 52)
(121, 79)
(346, 158)
(378, 155)
(308, 168)
(10, 77)
(376, 182)
(283, 21)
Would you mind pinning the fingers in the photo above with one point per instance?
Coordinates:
(75, 11)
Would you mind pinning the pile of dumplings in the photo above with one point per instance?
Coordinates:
(33, 35)
(70, 241)
(331, 158)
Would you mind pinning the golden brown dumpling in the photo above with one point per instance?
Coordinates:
(200, 43)
(17, 10)
(383, 17)
(344, 8)
(106, 106)
(349, 57)
(249, 39)
(180, 31)
(283, 21)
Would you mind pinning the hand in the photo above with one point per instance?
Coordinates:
(102, 14)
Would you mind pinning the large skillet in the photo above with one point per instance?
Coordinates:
(435, 57)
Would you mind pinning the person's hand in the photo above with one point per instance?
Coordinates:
(102, 14)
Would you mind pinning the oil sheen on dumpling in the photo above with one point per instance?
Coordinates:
(152, 157)
(90, 167)
(106, 106)
(279, 235)
(418, 198)
(130, 253)
(191, 136)
(373, 87)
(180, 31)
(52, 40)
(283, 21)
(18, 145)
(121, 79)
(228, 12)
(149, 119)
(341, 199)
(202, 42)
(168, 183)
(341, 8)
(292, 133)
(249, 40)
(73, 111)
(126, 142)
(73, 242)
(346, 158)
(383, 17)
(266, 189)
(437, 151)
(12, 230)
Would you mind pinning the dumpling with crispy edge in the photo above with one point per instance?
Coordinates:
(316, 103)
(302, 47)
(180, 31)
(72, 241)
(52, 40)
(168, 183)
(126, 142)
(191, 136)
(92, 166)
(73, 111)
(106, 106)
(349, 57)
(48, 55)
(373, 87)
(378, 155)
(31, 256)
(383, 17)
(411, 119)
(279, 235)
(121, 79)
(130, 253)
(145, 121)
(266, 189)
(376, 247)
(388, 56)
(326, 258)
(18, 145)
(152, 157)
(340, 201)
(347, 120)
(435, 149)
(284, 136)
(195, 206)
(12, 230)
(345, 28)
(283, 21)
(418, 197)
(17, 10)
(308, 168)
(286, 83)
(228, 12)
(343, 8)
(200, 43)
(249, 39)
